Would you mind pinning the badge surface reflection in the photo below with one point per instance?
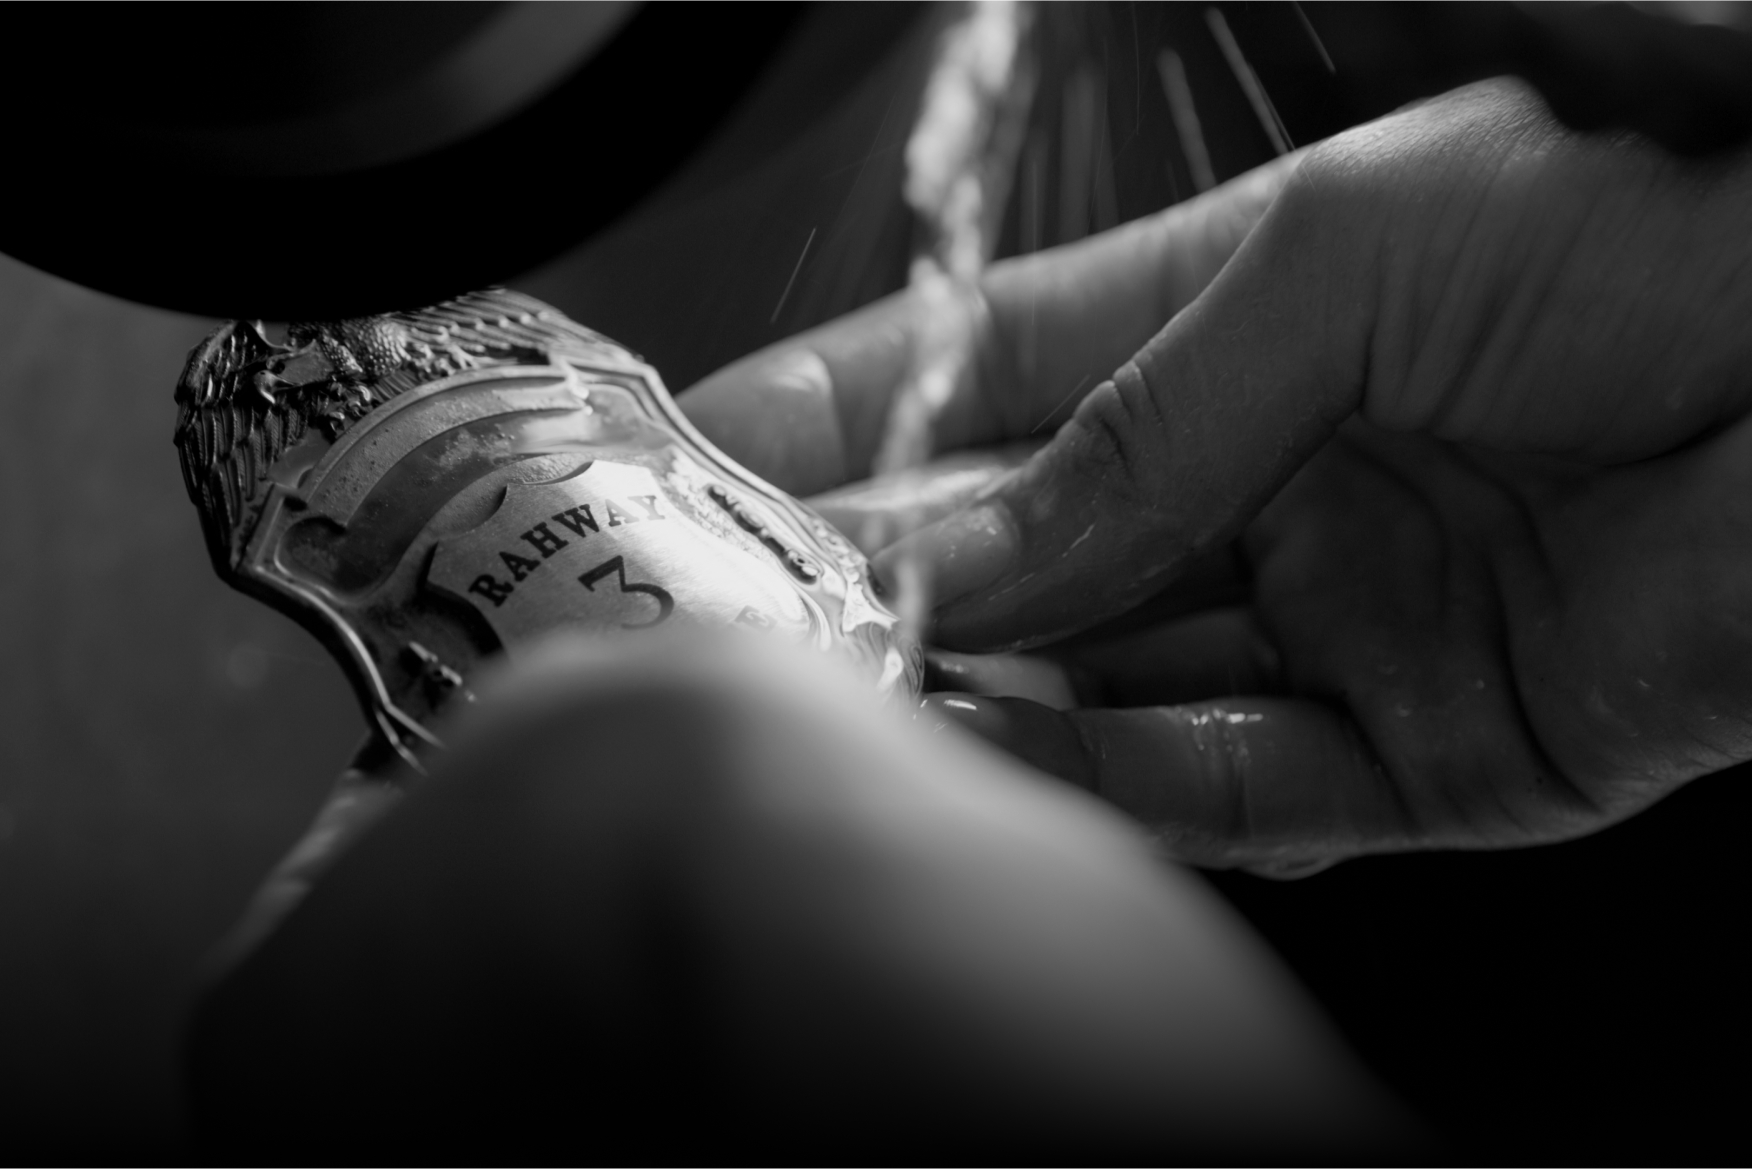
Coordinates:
(427, 490)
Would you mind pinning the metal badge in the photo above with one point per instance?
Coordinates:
(426, 490)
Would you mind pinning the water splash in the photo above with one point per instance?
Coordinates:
(959, 162)
(1263, 109)
(1186, 124)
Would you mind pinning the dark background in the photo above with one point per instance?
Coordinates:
(164, 740)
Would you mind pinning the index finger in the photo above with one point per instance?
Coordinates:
(808, 413)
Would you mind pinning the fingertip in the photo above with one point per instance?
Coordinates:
(963, 552)
(968, 711)
(774, 413)
(1037, 735)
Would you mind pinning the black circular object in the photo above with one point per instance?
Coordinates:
(155, 151)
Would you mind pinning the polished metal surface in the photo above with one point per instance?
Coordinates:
(427, 490)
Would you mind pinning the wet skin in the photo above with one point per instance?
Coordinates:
(1446, 417)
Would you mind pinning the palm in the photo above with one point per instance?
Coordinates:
(1530, 649)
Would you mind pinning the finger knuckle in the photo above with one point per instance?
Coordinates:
(1116, 436)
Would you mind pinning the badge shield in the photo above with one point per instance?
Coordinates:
(425, 491)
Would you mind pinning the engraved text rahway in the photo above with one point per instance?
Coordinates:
(581, 520)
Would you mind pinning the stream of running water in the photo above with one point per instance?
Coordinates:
(959, 162)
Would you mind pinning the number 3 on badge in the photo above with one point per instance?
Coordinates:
(617, 567)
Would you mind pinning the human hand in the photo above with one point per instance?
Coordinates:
(1499, 608)
(807, 414)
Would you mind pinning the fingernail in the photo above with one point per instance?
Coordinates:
(802, 371)
(981, 716)
(1037, 735)
(963, 553)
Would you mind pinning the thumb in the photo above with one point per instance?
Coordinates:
(1176, 453)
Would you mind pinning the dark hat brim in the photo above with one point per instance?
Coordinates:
(101, 204)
